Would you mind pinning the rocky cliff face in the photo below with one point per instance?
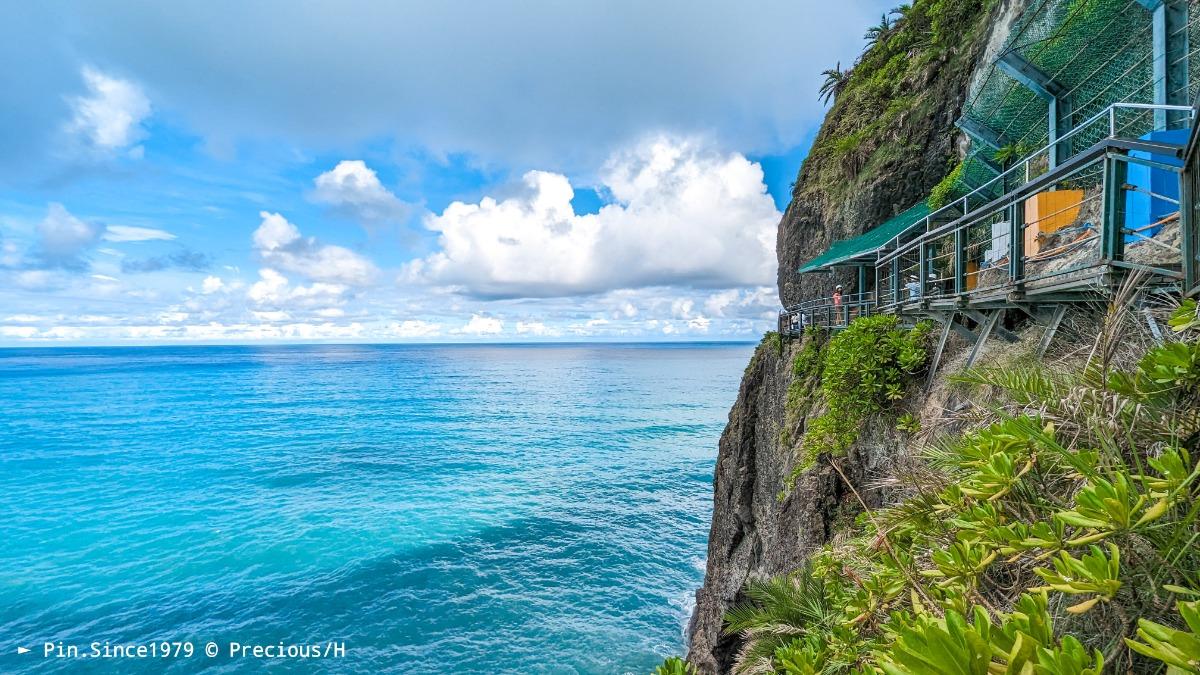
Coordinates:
(842, 190)
(754, 531)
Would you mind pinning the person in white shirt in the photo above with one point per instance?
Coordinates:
(913, 287)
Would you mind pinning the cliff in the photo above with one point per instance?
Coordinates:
(887, 140)
(755, 532)
(889, 136)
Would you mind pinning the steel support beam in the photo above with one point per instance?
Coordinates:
(979, 132)
(1017, 67)
(941, 346)
(1170, 49)
(1051, 329)
(984, 332)
(982, 318)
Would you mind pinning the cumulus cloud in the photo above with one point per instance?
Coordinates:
(109, 117)
(124, 233)
(281, 245)
(352, 188)
(683, 213)
(211, 285)
(273, 290)
(482, 325)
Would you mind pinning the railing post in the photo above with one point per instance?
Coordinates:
(1112, 121)
(896, 280)
(922, 263)
(1016, 242)
(1187, 221)
(1112, 239)
(960, 261)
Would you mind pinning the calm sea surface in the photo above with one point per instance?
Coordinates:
(457, 509)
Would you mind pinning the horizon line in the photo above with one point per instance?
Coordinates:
(318, 343)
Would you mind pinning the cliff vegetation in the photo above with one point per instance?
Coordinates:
(1051, 530)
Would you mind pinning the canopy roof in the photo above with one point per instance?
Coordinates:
(845, 251)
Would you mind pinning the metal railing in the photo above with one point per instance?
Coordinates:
(828, 312)
(1064, 222)
(1035, 164)
(992, 238)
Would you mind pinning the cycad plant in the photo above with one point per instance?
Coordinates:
(835, 82)
(777, 611)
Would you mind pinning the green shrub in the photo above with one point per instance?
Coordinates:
(947, 189)
(864, 369)
(909, 423)
(674, 665)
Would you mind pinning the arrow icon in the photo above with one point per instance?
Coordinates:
(22, 650)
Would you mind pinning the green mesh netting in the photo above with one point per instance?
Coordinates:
(1099, 52)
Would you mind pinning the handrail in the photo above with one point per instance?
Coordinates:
(847, 299)
(1109, 111)
(825, 312)
(1077, 162)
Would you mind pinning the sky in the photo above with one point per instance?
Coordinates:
(231, 172)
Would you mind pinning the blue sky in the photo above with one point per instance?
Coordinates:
(241, 172)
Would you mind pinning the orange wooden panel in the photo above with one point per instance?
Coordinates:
(1048, 212)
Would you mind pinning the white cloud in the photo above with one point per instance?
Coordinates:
(536, 328)
(281, 245)
(273, 290)
(274, 232)
(501, 83)
(123, 233)
(105, 278)
(482, 325)
(681, 308)
(211, 285)
(354, 188)
(683, 214)
(173, 316)
(415, 329)
(10, 254)
(109, 117)
(20, 332)
(39, 280)
(717, 303)
(63, 238)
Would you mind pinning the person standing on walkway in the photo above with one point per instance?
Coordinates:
(838, 312)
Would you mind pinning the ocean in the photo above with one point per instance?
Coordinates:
(430, 509)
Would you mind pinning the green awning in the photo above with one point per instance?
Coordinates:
(841, 252)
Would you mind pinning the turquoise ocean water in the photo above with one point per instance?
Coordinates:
(438, 509)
